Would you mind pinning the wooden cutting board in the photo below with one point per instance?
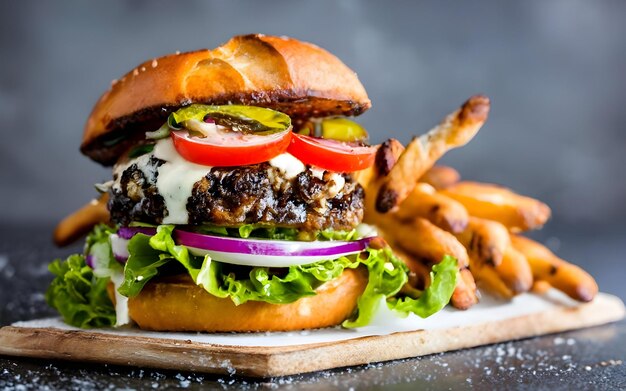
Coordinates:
(278, 354)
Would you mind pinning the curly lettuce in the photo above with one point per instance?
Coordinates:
(79, 293)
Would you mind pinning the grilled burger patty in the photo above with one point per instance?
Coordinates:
(231, 196)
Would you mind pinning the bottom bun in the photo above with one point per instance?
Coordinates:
(178, 304)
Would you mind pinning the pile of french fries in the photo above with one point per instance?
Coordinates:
(426, 211)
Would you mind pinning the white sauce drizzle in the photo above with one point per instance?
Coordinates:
(288, 165)
(175, 181)
(143, 164)
(121, 302)
(317, 172)
(338, 182)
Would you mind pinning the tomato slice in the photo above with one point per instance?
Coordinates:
(230, 148)
(331, 155)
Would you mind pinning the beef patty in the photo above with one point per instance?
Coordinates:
(231, 196)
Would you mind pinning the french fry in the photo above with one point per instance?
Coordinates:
(82, 221)
(464, 295)
(488, 279)
(562, 275)
(485, 240)
(440, 210)
(510, 278)
(425, 240)
(387, 155)
(456, 130)
(515, 272)
(492, 202)
(440, 177)
(540, 287)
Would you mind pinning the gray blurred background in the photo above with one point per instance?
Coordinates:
(554, 70)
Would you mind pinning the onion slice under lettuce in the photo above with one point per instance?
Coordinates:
(248, 252)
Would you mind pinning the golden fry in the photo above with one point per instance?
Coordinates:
(562, 275)
(441, 177)
(464, 295)
(516, 212)
(515, 272)
(440, 210)
(425, 240)
(422, 152)
(485, 240)
(540, 287)
(510, 278)
(82, 221)
(488, 279)
(387, 155)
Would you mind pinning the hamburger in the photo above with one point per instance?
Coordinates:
(232, 205)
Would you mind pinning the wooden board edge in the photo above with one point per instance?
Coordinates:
(162, 353)
(173, 354)
(605, 309)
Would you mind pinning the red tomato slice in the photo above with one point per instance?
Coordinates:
(331, 154)
(233, 149)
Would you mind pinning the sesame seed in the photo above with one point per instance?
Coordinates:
(154, 63)
(135, 72)
(177, 52)
(143, 69)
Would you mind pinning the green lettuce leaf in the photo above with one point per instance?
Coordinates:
(142, 265)
(436, 296)
(263, 284)
(79, 296)
(387, 275)
(384, 282)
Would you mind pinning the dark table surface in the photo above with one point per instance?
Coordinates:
(593, 358)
